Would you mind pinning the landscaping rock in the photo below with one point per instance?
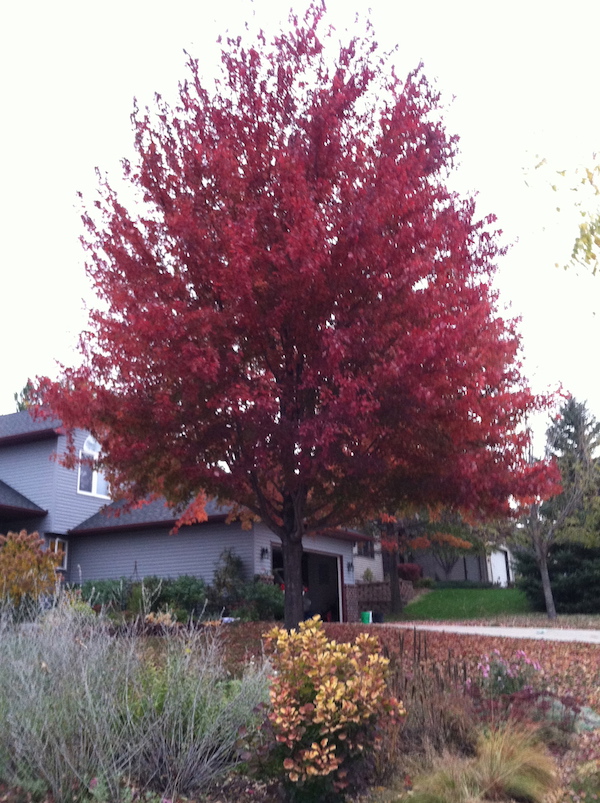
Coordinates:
(587, 720)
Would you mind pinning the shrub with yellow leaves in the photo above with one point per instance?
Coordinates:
(328, 700)
(27, 568)
(161, 619)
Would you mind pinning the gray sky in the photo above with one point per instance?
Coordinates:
(519, 80)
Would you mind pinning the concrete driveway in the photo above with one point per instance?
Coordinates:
(541, 633)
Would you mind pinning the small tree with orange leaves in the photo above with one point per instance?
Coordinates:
(27, 568)
(445, 534)
(445, 548)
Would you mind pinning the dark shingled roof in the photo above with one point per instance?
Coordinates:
(158, 514)
(149, 514)
(12, 501)
(22, 427)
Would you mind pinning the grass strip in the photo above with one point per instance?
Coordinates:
(466, 603)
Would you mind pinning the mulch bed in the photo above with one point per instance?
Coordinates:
(568, 669)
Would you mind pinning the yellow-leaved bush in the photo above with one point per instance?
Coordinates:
(27, 568)
(327, 701)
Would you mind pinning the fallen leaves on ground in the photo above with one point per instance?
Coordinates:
(568, 668)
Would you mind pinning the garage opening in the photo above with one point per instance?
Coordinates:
(321, 580)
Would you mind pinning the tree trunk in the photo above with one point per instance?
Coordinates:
(390, 569)
(292, 573)
(542, 562)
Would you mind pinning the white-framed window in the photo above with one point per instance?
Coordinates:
(365, 549)
(91, 481)
(59, 547)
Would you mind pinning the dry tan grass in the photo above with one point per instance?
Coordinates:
(510, 764)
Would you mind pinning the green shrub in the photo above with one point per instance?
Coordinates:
(259, 601)
(574, 576)
(108, 593)
(228, 577)
(224, 593)
(425, 582)
(368, 576)
(184, 593)
(146, 596)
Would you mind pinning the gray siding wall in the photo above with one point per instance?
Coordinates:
(70, 506)
(263, 538)
(30, 469)
(194, 550)
(33, 470)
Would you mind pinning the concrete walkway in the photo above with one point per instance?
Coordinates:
(542, 633)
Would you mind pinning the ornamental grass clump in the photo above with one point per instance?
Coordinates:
(440, 715)
(328, 701)
(510, 764)
(84, 712)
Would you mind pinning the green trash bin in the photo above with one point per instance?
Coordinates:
(366, 617)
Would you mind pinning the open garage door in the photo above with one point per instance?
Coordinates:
(321, 577)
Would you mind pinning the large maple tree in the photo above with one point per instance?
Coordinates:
(297, 314)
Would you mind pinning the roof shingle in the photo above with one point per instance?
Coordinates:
(22, 427)
(148, 514)
(15, 501)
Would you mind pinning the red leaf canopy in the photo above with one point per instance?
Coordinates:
(297, 314)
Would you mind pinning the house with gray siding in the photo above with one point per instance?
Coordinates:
(72, 510)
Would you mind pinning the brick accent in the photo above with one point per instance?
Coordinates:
(351, 604)
(376, 596)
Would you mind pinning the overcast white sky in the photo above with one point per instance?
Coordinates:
(524, 81)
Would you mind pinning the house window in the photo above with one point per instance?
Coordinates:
(59, 547)
(366, 549)
(91, 481)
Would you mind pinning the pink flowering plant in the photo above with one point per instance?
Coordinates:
(500, 676)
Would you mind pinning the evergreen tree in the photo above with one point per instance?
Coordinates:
(572, 515)
(23, 399)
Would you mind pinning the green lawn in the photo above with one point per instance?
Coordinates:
(467, 603)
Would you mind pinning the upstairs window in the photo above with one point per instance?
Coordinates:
(91, 481)
(59, 547)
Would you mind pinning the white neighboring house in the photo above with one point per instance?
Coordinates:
(367, 558)
(497, 567)
(501, 567)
